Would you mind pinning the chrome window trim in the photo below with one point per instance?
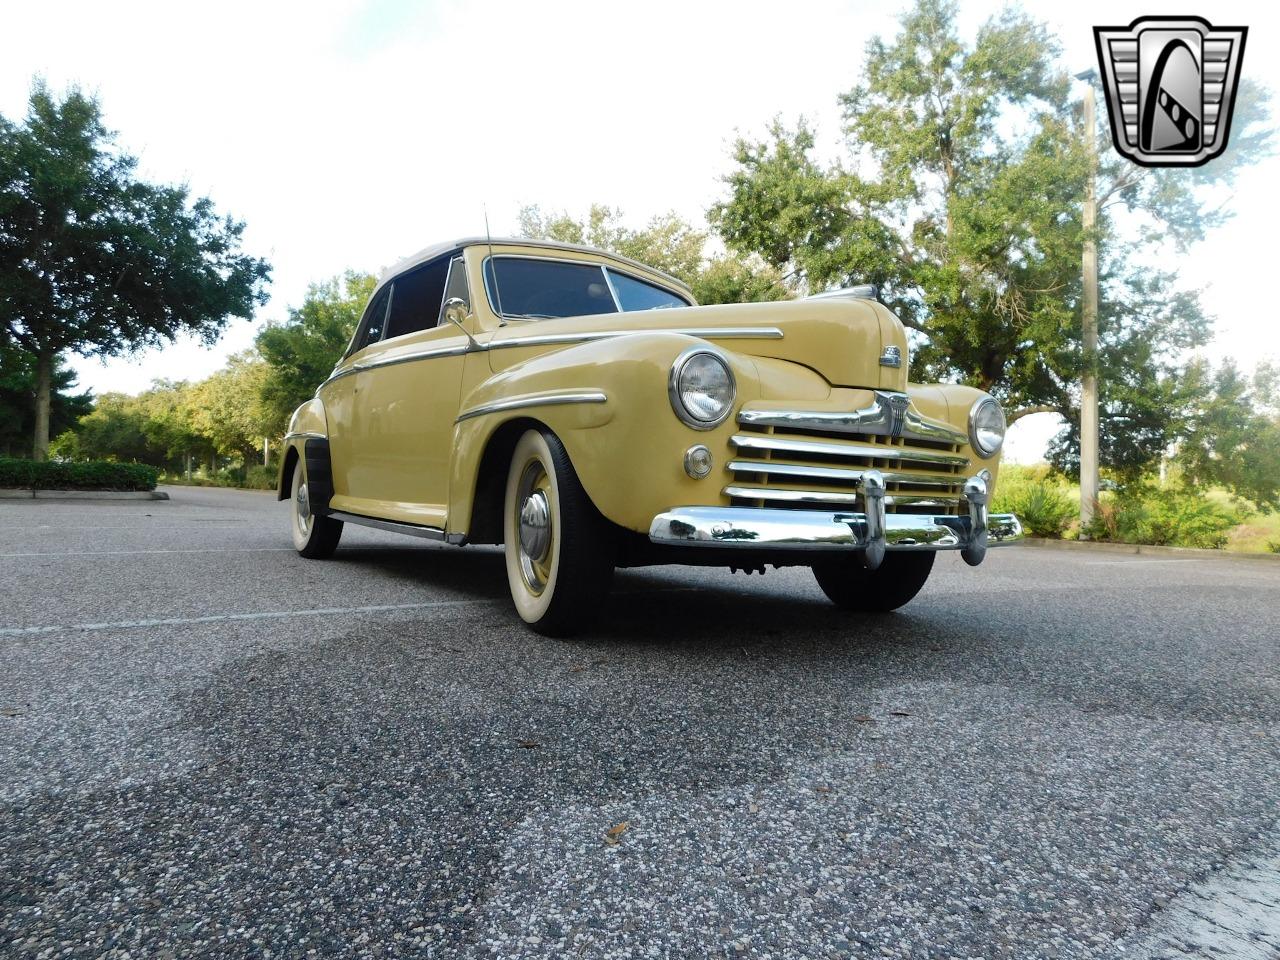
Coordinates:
(549, 399)
(837, 449)
(604, 269)
(361, 326)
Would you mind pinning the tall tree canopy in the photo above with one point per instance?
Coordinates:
(962, 197)
(668, 243)
(1233, 439)
(301, 351)
(96, 261)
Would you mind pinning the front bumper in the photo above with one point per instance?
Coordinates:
(872, 532)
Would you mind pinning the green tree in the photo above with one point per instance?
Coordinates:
(96, 261)
(1233, 438)
(302, 351)
(155, 427)
(961, 198)
(17, 396)
(668, 243)
(227, 407)
(114, 430)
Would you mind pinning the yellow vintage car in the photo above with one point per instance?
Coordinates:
(582, 410)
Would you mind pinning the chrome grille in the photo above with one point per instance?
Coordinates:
(814, 469)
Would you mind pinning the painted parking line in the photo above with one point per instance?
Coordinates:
(116, 553)
(1104, 563)
(280, 614)
(229, 617)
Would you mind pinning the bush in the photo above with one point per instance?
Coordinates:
(1171, 516)
(76, 475)
(1044, 505)
(260, 478)
(254, 478)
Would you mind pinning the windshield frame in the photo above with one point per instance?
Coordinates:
(603, 267)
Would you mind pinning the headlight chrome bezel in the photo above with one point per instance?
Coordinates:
(982, 449)
(675, 391)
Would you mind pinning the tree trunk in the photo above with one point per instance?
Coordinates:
(44, 377)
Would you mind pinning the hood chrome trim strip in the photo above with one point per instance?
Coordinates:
(552, 339)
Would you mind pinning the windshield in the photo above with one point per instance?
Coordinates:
(535, 289)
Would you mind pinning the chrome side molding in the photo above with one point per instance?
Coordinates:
(548, 399)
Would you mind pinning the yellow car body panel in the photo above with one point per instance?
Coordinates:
(409, 420)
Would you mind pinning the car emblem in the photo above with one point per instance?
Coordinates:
(891, 356)
(895, 407)
(1171, 84)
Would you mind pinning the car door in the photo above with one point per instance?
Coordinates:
(338, 394)
(406, 399)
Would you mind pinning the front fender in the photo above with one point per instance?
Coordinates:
(628, 449)
(951, 403)
(307, 422)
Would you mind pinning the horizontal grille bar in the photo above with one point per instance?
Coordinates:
(831, 448)
(773, 468)
(792, 496)
(880, 418)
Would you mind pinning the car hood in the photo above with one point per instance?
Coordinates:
(843, 340)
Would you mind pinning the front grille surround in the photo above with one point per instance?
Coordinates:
(807, 468)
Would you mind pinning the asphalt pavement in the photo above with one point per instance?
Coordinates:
(210, 747)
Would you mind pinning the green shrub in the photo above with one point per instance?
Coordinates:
(1044, 505)
(260, 478)
(1172, 516)
(76, 475)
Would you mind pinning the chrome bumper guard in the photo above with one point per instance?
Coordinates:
(871, 533)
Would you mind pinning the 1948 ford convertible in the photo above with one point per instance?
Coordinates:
(580, 409)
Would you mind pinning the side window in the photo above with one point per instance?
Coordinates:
(457, 285)
(416, 298)
(636, 294)
(375, 316)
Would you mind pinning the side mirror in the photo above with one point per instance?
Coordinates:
(455, 312)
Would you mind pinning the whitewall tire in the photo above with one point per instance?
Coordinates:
(314, 537)
(558, 548)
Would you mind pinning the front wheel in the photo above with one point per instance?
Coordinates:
(314, 537)
(557, 546)
(851, 586)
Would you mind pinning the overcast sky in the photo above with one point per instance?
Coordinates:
(350, 134)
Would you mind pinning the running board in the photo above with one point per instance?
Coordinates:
(395, 526)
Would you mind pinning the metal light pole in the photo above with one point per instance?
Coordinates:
(1089, 318)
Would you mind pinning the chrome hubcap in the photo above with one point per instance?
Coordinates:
(301, 504)
(535, 526)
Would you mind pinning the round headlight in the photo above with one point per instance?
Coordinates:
(702, 388)
(986, 427)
